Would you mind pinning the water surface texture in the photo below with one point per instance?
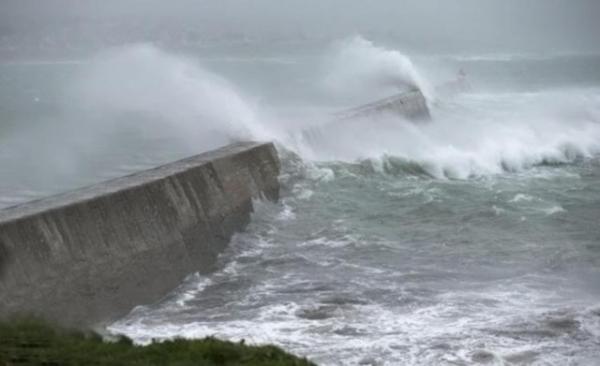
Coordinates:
(472, 239)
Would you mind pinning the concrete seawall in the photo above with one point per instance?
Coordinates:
(93, 254)
(411, 105)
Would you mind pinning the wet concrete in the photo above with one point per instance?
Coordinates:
(93, 254)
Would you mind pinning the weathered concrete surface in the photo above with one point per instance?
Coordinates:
(91, 255)
(411, 105)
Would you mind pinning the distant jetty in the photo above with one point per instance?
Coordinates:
(411, 105)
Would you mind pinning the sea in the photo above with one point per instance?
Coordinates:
(472, 238)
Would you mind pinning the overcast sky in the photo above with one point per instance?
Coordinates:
(534, 25)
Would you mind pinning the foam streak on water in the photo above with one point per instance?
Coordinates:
(473, 239)
(391, 268)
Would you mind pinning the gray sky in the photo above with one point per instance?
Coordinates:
(487, 25)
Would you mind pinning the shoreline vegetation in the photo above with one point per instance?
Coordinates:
(30, 341)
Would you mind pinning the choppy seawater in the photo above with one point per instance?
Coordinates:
(358, 266)
(474, 239)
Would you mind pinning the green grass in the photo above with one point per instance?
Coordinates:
(33, 342)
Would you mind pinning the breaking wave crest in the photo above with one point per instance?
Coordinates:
(359, 67)
(167, 94)
(470, 135)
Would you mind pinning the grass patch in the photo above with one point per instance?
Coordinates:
(34, 342)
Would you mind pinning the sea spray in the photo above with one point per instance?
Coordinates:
(163, 94)
(357, 67)
(123, 110)
(472, 135)
(381, 261)
(143, 82)
(137, 106)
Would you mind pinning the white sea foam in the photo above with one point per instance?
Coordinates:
(303, 193)
(553, 210)
(287, 213)
(358, 66)
(521, 197)
(439, 333)
(487, 135)
(387, 312)
(408, 321)
(475, 134)
(198, 106)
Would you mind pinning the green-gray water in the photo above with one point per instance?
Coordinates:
(471, 239)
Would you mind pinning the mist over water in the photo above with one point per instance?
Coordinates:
(123, 110)
(360, 68)
(201, 109)
(469, 239)
(168, 105)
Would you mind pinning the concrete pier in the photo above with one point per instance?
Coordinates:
(93, 254)
(411, 105)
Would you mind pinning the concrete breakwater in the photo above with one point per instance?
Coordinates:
(93, 254)
(411, 105)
